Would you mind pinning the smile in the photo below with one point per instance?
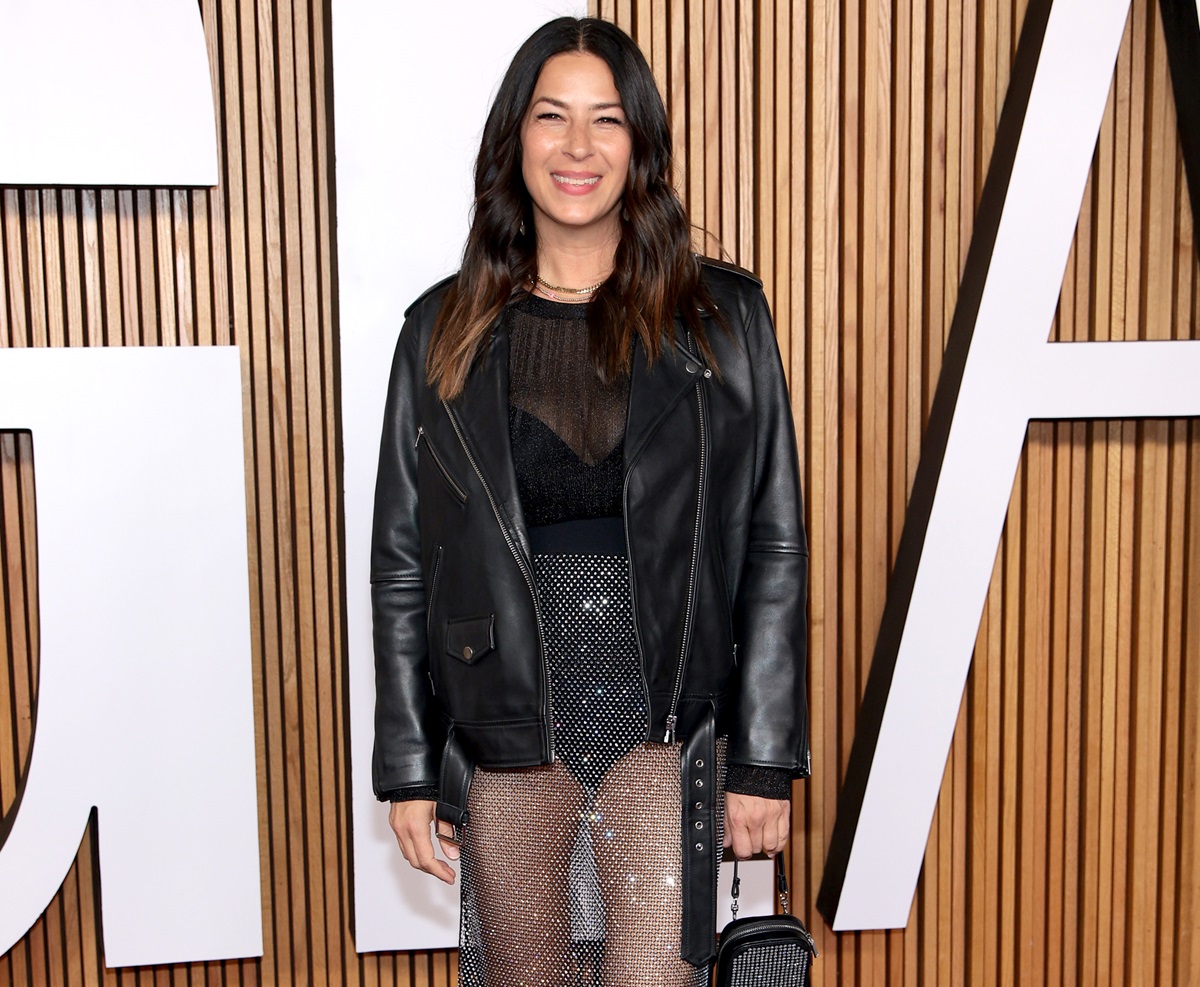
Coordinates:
(564, 180)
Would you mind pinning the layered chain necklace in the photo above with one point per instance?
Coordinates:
(554, 290)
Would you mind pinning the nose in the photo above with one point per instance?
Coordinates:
(578, 141)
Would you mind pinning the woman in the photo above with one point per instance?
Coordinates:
(589, 567)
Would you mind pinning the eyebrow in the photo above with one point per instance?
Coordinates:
(563, 106)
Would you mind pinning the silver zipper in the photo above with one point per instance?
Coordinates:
(672, 714)
(437, 461)
(521, 564)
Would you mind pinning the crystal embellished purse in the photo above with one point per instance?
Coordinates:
(766, 951)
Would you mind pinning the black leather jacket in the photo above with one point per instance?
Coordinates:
(717, 553)
(716, 544)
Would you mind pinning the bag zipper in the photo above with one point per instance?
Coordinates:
(765, 924)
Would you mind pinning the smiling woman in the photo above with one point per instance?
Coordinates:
(586, 508)
(575, 163)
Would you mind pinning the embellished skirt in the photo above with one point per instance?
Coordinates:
(571, 872)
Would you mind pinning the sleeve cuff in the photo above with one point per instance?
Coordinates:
(420, 793)
(767, 783)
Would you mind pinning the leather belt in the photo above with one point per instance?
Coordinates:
(454, 785)
(698, 784)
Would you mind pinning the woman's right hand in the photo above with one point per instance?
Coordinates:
(410, 821)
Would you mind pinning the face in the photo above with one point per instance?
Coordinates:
(575, 146)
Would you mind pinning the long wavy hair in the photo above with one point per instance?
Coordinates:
(655, 274)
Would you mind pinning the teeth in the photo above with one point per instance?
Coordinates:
(563, 180)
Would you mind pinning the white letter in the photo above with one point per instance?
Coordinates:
(113, 93)
(1010, 374)
(144, 691)
(404, 191)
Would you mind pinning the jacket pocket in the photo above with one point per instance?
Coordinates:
(452, 485)
(470, 638)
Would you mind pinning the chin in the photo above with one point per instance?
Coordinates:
(577, 221)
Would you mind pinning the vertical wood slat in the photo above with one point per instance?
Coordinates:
(840, 151)
(90, 267)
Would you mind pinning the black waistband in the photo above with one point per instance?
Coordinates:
(586, 536)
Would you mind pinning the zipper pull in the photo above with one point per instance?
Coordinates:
(671, 721)
(420, 432)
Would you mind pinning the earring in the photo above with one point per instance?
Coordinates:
(521, 229)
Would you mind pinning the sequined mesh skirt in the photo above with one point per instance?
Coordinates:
(571, 872)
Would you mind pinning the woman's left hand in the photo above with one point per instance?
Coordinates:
(754, 824)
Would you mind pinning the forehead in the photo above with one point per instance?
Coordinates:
(577, 76)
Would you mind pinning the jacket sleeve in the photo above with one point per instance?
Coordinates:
(408, 730)
(770, 727)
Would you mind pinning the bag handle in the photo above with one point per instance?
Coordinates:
(781, 885)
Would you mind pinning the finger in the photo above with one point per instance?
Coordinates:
(445, 832)
(785, 827)
(773, 828)
(425, 859)
(756, 838)
(743, 845)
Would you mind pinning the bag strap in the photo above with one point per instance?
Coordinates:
(781, 885)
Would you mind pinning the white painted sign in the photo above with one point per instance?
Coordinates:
(1011, 375)
(404, 191)
(144, 698)
(112, 93)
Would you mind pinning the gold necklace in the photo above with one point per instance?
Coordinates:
(550, 289)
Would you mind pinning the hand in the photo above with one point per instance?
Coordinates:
(410, 822)
(754, 824)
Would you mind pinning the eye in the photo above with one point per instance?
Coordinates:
(612, 121)
(549, 115)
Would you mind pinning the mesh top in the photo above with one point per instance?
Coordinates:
(567, 425)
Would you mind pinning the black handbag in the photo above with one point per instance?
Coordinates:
(766, 951)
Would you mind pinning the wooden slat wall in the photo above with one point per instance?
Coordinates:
(838, 150)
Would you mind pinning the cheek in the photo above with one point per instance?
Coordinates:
(623, 157)
(529, 170)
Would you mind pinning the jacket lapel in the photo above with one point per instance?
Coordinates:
(482, 411)
(654, 391)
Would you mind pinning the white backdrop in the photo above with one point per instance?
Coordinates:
(407, 132)
(412, 85)
(112, 93)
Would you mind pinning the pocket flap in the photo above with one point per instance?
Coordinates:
(470, 638)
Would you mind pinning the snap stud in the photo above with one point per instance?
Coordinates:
(468, 652)
(699, 846)
(699, 824)
(699, 762)
(699, 782)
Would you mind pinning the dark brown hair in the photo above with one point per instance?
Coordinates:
(655, 273)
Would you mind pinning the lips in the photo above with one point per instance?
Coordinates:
(575, 184)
